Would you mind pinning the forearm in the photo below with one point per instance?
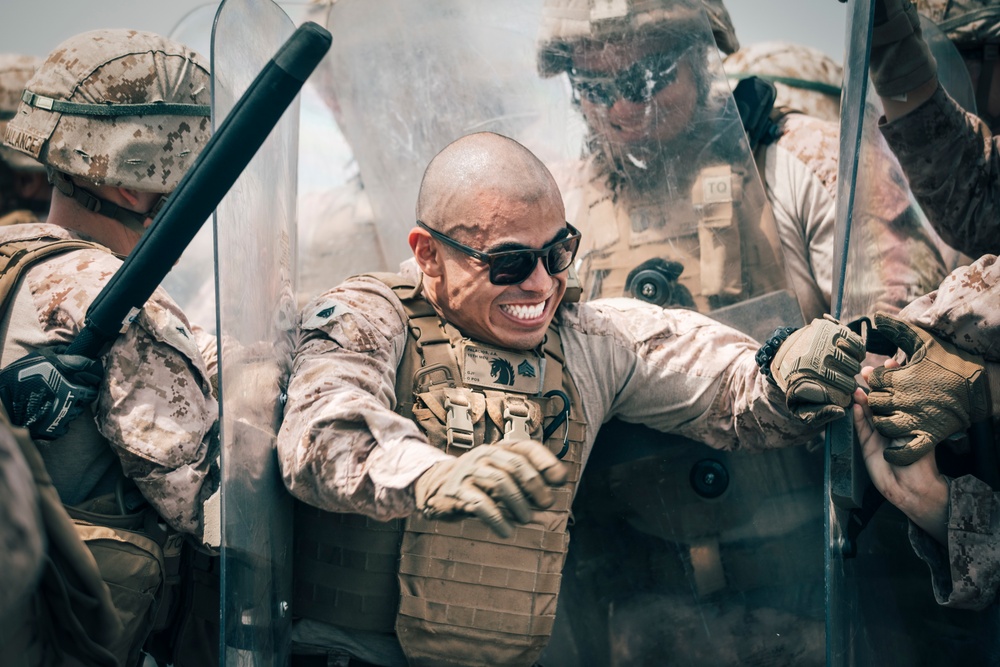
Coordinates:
(341, 447)
(966, 574)
(950, 159)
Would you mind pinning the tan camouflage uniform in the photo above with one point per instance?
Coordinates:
(963, 311)
(936, 142)
(155, 407)
(800, 182)
(343, 449)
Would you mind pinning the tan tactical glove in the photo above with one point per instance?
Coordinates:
(900, 59)
(941, 390)
(489, 479)
(815, 368)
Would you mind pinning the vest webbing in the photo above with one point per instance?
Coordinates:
(17, 257)
(467, 596)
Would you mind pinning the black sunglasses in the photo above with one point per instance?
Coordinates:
(512, 267)
(638, 83)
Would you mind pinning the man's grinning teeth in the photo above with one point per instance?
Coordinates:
(524, 312)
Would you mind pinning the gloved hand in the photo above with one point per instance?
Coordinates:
(488, 479)
(815, 367)
(941, 390)
(900, 59)
(47, 389)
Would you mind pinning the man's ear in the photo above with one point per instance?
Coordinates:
(426, 252)
(130, 196)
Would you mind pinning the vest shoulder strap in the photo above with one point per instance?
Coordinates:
(17, 256)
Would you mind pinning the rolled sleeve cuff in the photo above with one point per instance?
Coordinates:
(965, 574)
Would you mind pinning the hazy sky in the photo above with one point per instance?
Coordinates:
(36, 26)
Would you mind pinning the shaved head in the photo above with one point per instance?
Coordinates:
(480, 170)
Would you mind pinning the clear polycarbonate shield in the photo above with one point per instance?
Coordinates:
(668, 198)
(881, 607)
(255, 238)
(336, 226)
(191, 282)
(407, 78)
(336, 231)
(951, 69)
(681, 553)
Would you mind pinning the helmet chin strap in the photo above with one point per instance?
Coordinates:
(131, 219)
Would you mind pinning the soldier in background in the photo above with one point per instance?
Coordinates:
(933, 137)
(950, 379)
(24, 189)
(684, 555)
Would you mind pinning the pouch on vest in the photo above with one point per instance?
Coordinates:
(132, 565)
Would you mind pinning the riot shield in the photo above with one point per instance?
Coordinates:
(336, 235)
(409, 78)
(191, 282)
(255, 237)
(881, 608)
(678, 549)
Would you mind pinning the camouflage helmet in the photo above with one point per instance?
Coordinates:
(568, 22)
(965, 22)
(116, 107)
(805, 78)
(15, 70)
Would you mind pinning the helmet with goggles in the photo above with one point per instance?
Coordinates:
(566, 23)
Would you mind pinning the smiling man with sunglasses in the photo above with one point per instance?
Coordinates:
(453, 406)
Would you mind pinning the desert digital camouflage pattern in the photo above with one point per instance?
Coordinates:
(966, 22)
(148, 152)
(965, 311)
(15, 71)
(155, 408)
(936, 142)
(675, 370)
(805, 78)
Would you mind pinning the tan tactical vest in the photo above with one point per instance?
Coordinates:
(454, 592)
(726, 242)
(108, 572)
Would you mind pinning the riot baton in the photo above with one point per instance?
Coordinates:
(225, 156)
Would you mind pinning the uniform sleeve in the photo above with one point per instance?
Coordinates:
(964, 309)
(966, 573)
(341, 446)
(951, 161)
(676, 371)
(157, 410)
